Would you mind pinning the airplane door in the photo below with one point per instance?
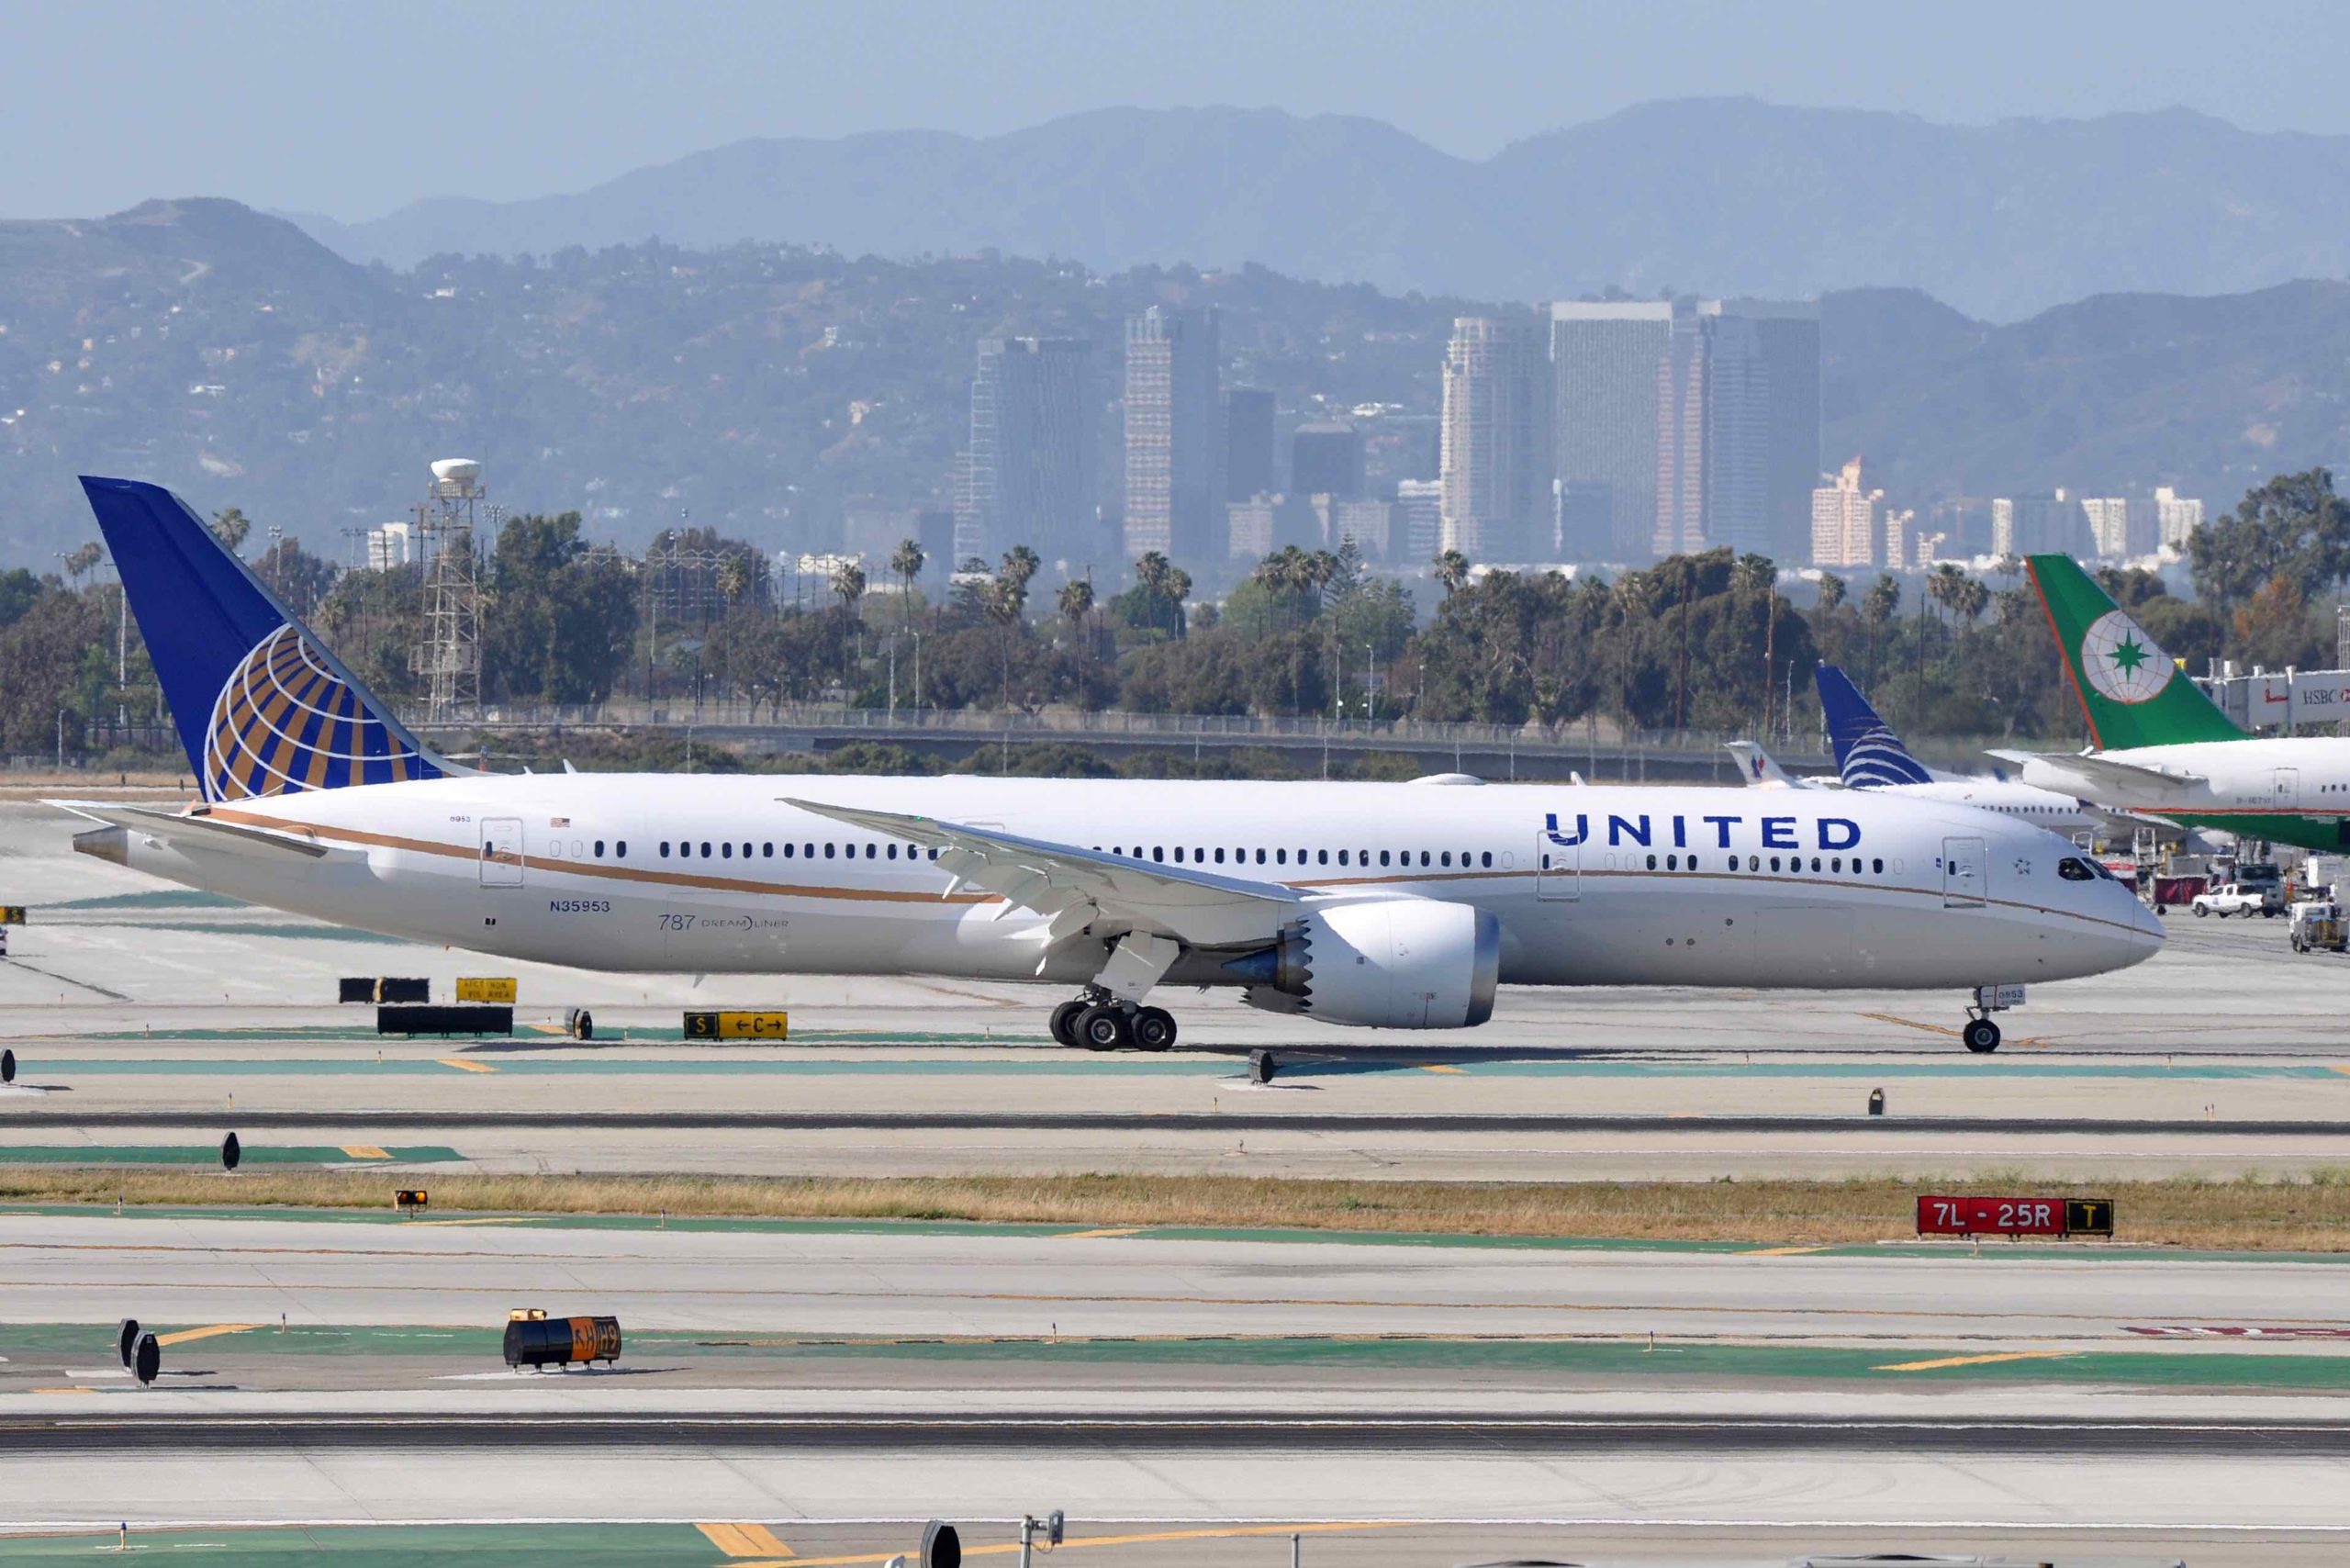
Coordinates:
(501, 852)
(1558, 869)
(2288, 789)
(1965, 865)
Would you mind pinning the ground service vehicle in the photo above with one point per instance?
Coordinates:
(2234, 897)
(2317, 926)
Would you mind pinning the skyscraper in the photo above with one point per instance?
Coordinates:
(2177, 517)
(1603, 358)
(1419, 508)
(1249, 444)
(1174, 445)
(1844, 520)
(1788, 334)
(1027, 476)
(2108, 526)
(1497, 441)
(1685, 425)
(1326, 460)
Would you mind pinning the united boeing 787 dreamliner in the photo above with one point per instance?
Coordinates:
(1387, 905)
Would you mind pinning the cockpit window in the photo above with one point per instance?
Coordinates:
(2074, 870)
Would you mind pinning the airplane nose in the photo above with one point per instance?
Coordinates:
(2148, 932)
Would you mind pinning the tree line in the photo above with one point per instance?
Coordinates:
(1711, 641)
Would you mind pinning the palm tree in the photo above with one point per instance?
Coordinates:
(733, 576)
(231, 527)
(84, 561)
(907, 562)
(1158, 574)
(1451, 570)
(1878, 607)
(848, 587)
(1075, 601)
(1832, 592)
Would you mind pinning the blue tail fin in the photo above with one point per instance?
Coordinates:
(262, 707)
(1867, 751)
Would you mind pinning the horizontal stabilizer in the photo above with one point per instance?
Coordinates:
(2102, 778)
(204, 835)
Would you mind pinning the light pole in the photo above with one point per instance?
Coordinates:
(917, 677)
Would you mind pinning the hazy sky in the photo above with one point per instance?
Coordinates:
(352, 108)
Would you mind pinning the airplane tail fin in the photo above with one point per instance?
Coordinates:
(1868, 753)
(263, 709)
(2130, 691)
(1761, 771)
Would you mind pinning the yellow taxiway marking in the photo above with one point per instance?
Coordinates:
(1781, 1252)
(555, 1029)
(1227, 1532)
(186, 1335)
(744, 1539)
(466, 1066)
(366, 1151)
(64, 1391)
(1942, 1028)
(1972, 1361)
(2341, 1066)
(1089, 1235)
(1439, 1067)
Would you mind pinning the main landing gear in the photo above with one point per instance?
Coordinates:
(1100, 1022)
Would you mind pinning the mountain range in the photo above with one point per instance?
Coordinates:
(765, 390)
(1720, 196)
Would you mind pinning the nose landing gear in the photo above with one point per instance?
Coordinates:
(1099, 1021)
(1982, 1035)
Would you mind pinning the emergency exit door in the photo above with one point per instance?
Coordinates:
(501, 852)
(1966, 865)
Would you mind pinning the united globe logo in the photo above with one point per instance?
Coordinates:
(2122, 663)
(286, 721)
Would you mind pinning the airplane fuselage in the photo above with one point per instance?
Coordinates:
(2281, 789)
(1591, 886)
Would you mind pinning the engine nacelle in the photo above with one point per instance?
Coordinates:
(1389, 963)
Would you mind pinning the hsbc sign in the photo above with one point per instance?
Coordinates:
(2287, 701)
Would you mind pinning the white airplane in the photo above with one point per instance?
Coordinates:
(1386, 905)
(1870, 756)
(2163, 749)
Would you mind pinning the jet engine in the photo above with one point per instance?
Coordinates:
(1389, 963)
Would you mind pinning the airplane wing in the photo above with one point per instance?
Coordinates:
(1075, 888)
(1761, 771)
(204, 834)
(2100, 778)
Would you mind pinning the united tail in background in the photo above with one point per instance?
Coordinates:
(2130, 691)
(263, 709)
(1868, 753)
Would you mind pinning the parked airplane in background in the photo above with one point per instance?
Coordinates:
(2164, 748)
(1391, 905)
(1871, 757)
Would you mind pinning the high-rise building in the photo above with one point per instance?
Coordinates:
(1419, 519)
(1787, 332)
(1604, 359)
(1249, 444)
(2177, 517)
(1174, 440)
(2108, 526)
(1497, 440)
(1904, 547)
(2050, 522)
(1713, 453)
(1326, 460)
(1844, 520)
(1027, 475)
(2003, 527)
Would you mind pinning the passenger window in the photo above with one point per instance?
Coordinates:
(1280, 857)
(1837, 864)
(600, 849)
(1489, 857)
(664, 850)
(893, 852)
(873, 851)
(622, 847)
(766, 851)
(1423, 857)
(1261, 858)
(1448, 858)
(1322, 858)
(1775, 862)
(788, 849)
(1652, 862)
(830, 849)
(1159, 853)
(1383, 857)
(726, 851)
(1672, 862)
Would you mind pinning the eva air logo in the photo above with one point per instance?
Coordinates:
(2122, 662)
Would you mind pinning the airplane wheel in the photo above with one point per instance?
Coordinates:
(1154, 1029)
(1104, 1029)
(1982, 1035)
(1063, 1022)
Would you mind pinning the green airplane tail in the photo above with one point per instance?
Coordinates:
(2131, 690)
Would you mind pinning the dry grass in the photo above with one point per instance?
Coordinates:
(2304, 1216)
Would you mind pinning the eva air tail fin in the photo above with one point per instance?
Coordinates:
(2132, 692)
(262, 707)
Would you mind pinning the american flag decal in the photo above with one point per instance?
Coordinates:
(558, 822)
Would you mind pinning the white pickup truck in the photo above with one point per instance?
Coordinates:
(2236, 898)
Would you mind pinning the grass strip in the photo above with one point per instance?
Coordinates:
(2251, 1214)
